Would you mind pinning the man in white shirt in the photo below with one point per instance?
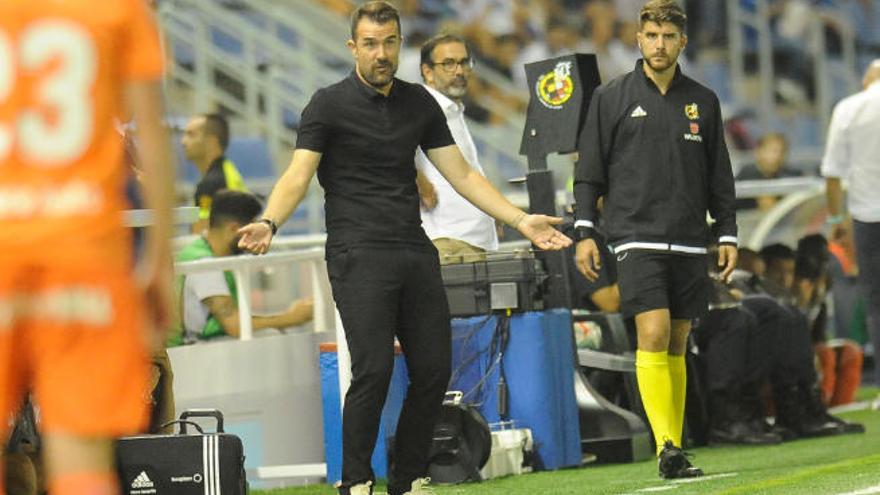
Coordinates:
(459, 230)
(853, 154)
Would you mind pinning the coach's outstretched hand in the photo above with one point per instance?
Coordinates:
(539, 229)
(255, 237)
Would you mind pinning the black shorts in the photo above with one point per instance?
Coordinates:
(659, 279)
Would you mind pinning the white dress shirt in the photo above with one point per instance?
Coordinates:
(853, 151)
(455, 217)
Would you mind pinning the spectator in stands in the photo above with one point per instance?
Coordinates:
(562, 38)
(204, 141)
(360, 136)
(458, 229)
(209, 300)
(770, 163)
(612, 56)
(852, 153)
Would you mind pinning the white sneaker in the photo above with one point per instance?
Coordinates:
(420, 487)
(361, 488)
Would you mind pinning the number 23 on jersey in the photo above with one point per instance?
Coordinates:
(47, 73)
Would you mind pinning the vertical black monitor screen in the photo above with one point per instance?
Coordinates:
(559, 93)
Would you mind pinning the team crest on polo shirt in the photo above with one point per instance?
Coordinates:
(692, 111)
(555, 87)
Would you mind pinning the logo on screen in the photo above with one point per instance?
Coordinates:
(555, 87)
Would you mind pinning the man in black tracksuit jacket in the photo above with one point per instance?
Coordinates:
(653, 147)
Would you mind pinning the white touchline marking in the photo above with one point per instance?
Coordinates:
(864, 491)
(657, 488)
(705, 478)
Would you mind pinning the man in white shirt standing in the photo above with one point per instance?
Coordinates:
(459, 230)
(853, 154)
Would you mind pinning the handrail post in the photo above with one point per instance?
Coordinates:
(320, 308)
(243, 284)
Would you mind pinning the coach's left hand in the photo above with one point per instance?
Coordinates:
(539, 229)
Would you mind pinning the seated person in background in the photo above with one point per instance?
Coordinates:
(793, 376)
(840, 361)
(734, 365)
(778, 278)
(770, 157)
(204, 142)
(210, 300)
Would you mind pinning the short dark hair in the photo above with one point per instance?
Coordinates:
(217, 126)
(776, 252)
(812, 256)
(233, 206)
(660, 11)
(378, 11)
(440, 39)
(808, 268)
(747, 259)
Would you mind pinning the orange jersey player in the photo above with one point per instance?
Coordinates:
(72, 311)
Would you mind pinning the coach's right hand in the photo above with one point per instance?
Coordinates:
(587, 258)
(255, 237)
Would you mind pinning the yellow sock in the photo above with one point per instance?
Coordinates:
(678, 375)
(655, 388)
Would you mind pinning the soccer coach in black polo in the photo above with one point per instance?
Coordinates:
(360, 135)
(653, 146)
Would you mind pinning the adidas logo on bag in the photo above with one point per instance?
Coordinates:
(142, 481)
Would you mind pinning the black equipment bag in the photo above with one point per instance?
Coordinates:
(461, 445)
(183, 464)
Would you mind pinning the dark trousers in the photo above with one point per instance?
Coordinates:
(722, 338)
(784, 334)
(867, 236)
(380, 293)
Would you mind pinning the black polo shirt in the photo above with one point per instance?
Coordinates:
(368, 143)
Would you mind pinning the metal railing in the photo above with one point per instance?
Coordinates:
(243, 266)
(825, 74)
(274, 58)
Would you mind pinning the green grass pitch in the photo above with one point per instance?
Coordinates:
(848, 464)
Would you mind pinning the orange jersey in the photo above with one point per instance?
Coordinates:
(64, 66)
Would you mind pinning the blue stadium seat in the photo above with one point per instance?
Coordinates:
(251, 156)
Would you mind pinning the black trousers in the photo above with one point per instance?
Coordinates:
(380, 293)
(786, 336)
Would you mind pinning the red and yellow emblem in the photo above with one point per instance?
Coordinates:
(556, 87)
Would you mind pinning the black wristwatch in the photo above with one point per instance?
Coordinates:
(582, 233)
(272, 225)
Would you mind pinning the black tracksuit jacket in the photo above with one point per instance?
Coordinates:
(661, 163)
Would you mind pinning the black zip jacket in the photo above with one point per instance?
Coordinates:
(661, 163)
